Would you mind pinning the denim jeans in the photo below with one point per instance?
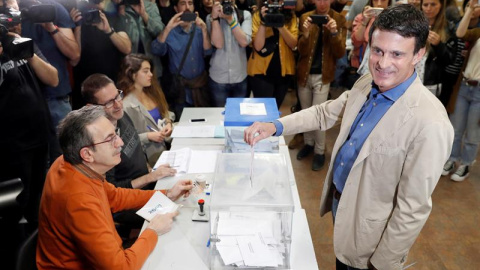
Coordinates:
(466, 124)
(59, 108)
(222, 91)
(339, 264)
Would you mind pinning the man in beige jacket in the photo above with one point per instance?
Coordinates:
(394, 138)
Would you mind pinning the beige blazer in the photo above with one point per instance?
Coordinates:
(387, 196)
(141, 118)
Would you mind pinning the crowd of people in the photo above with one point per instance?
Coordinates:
(143, 62)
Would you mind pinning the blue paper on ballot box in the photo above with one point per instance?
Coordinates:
(240, 113)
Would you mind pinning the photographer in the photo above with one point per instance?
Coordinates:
(143, 26)
(230, 30)
(321, 43)
(57, 42)
(272, 64)
(189, 81)
(24, 140)
(104, 43)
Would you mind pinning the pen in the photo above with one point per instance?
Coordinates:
(152, 129)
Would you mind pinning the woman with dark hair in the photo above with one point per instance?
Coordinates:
(145, 103)
(440, 52)
(361, 27)
(272, 64)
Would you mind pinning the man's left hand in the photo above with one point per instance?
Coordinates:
(200, 23)
(103, 25)
(181, 188)
(331, 25)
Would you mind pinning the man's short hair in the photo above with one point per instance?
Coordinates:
(73, 134)
(405, 20)
(92, 85)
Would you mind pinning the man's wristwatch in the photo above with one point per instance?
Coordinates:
(54, 31)
(216, 19)
(111, 32)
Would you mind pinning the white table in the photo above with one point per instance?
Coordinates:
(185, 246)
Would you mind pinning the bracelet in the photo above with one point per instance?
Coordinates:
(234, 26)
(54, 31)
(233, 22)
(111, 32)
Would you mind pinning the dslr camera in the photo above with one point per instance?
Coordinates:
(228, 7)
(90, 13)
(274, 16)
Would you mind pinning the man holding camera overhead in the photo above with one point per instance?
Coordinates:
(321, 43)
(230, 30)
(56, 41)
(103, 42)
(174, 40)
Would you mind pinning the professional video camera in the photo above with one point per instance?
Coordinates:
(15, 48)
(228, 7)
(275, 16)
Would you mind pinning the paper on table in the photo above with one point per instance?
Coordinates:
(203, 161)
(158, 204)
(186, 160)
(193, 132)
(253, 109)
(177, 159)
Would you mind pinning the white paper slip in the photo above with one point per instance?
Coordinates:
(253, 109)
(186, 160)
(158, 204)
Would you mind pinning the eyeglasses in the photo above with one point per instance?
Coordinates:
(111, 102)
(110, 140)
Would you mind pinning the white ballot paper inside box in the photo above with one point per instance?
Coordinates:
(158, 204)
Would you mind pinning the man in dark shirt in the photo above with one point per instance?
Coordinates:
(57, 42)
(24, 138)
(132, 171)
(103, 45)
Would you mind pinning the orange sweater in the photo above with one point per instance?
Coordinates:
(76, 229)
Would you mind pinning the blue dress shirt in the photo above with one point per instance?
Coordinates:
(368, 117)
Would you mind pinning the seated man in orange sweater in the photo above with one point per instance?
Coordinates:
(76, 229)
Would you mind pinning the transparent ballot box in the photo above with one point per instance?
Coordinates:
(251, 217)
(240, 113)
